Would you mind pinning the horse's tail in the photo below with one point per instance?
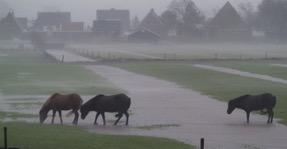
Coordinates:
(70, 113)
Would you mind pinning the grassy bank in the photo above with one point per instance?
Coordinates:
(215, 84)
(34, 136)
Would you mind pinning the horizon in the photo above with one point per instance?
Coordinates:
(30, 8)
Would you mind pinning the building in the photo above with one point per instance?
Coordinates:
(108, 28)
(228, 25)
(51, 21)
(152, 22)
(143, 36)
(116, 14)
(72, 27)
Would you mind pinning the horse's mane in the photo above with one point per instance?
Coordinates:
(92, 100)
(240, 98)
(48, 101)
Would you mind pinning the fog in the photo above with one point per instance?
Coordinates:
(85, 10)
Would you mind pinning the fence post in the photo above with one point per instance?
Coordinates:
(202, 143)
(5, 138)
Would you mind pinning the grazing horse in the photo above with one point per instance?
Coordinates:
(115, 103)
(250, 103)
(58, 102)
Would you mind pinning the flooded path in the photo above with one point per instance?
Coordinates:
(164, 109)
(242, 73)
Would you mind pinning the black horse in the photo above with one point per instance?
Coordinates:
(250, 103)
(115, 103)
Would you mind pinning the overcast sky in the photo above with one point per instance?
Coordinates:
(85, 10)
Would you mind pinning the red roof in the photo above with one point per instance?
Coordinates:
(73, 26)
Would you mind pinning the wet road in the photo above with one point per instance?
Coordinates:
(188, 114)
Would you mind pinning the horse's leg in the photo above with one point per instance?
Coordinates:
(75, 121)
(53, 116)
(247, 116)
(60, 115)
(120, 115)
(103, 116)
(127, 116)
(96, 118)
(270, 115)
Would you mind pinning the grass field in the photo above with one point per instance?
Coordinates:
(35, 136)
(32, 73)
(215, 84)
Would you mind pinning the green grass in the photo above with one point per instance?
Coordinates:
(35, 136)
(16, 115)
(215, 84)
(32, 73)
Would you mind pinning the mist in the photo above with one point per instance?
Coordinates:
(85, 10)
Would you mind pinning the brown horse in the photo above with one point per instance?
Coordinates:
(58, 102)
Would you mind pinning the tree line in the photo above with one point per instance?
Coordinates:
(269, 16)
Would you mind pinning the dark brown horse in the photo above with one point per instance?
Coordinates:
(250, 103)
(119, 103)
(58, 102)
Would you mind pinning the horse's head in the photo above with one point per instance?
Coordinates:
(84, 112)
(231, 106)
(43, 115)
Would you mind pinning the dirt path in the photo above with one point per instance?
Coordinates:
(242, 73)
(164, 109)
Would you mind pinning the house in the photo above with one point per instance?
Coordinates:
(108, 28)
(152, 22)
(144, 36)
(228, 25)
(51, 21)
(116, 14)
(72, 27)
(9, 28)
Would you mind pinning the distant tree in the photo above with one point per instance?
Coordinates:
(192, 15)
(9, 28)
(248, 13)
(188, 17)
(192, 20)
(135, 23)
(169, 19)
(272, 16)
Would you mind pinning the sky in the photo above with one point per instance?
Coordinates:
(85, 10)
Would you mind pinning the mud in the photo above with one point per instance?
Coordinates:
(193, 115)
